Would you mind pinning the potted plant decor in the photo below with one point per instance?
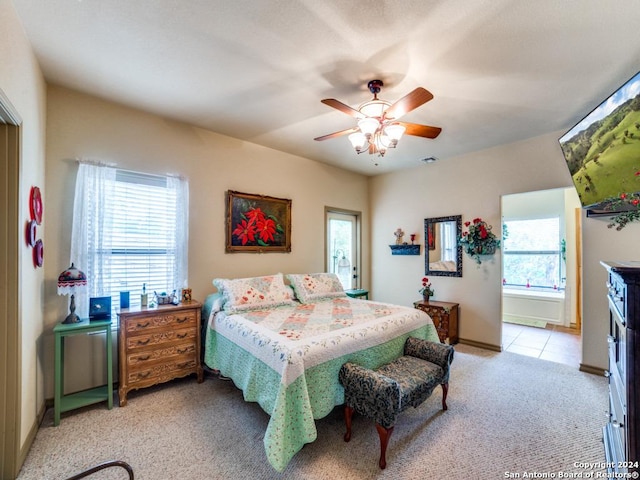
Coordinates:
(426, 290)
(478, 239)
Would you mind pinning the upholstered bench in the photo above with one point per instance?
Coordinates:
(382, 394)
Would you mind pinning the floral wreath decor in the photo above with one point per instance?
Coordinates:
(478, 239)
(626, 209)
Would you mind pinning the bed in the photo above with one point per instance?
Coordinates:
(283, 346)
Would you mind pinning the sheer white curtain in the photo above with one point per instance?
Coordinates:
(103, 247)
(92, 223)
(181, 187)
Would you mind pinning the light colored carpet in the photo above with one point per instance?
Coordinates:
(507, 413)
(526, 321)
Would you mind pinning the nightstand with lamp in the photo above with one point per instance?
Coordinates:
(71, 282)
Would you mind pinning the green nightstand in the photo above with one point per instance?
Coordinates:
(357, 293)
(64, 403)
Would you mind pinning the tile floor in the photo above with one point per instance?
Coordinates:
(554, 343)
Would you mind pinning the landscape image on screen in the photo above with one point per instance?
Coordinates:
(603, 150)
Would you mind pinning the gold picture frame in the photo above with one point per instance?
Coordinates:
(257, 223)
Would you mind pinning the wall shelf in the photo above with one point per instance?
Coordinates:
(405, 249)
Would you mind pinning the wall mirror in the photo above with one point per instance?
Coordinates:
(442, 251)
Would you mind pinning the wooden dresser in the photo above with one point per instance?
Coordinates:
(156, 345)
(622, 431)
(444, 316)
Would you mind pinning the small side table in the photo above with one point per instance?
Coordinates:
(357, 293)
(444, 316)
(64, 403)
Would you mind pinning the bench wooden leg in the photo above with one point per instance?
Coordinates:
(348, 413)
(384, 434)
(445, 390)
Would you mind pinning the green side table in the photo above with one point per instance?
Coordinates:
(357, 293)
(64, 403)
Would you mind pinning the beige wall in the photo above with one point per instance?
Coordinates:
(81, 126)
(472, 185)
(23, 84)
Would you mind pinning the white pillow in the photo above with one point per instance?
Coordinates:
(253, 293)
(310, 287)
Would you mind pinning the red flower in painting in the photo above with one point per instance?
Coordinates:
(266, 229)
(245, 231)
(255, 215)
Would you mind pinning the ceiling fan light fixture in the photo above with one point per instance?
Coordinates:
(377, 126)
(394, 132)
(358, 141)
(368, 126)
(374, 108)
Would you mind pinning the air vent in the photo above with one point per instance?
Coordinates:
(429, 160)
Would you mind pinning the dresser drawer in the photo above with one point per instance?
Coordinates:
(142, 358)
(151, 339)
(169, 320)
(161, 371)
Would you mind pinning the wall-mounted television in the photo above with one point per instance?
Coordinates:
(603, 150)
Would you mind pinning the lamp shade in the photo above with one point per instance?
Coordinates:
(71, 281)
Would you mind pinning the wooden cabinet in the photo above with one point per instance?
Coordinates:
(621, 433)
(156, 345)
(444, 316)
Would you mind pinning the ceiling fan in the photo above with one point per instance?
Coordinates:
(378, 127)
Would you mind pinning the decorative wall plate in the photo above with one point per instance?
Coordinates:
(31, 233)
(38, 253)
(35, 205)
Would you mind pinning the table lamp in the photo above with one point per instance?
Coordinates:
(71, 281)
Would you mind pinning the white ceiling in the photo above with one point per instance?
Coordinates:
(500, 70)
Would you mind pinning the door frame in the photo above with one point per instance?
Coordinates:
(358, 241)
(10, 335)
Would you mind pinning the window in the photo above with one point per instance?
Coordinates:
(533, 254)
(129, 229)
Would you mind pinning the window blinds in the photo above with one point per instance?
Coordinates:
(136, 232)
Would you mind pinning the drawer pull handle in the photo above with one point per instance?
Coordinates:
(182, 335)
(144, 374)
(183, 365)
(142, 325)
(145, 358)
(182, 350)
(182, 320)
(143, 342)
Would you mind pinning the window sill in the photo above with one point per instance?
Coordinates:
(518, 293)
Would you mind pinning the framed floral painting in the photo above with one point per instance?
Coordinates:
(257, 223)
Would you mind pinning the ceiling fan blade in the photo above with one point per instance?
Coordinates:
(337, 134)
(344, 108)
(418, 97)
(420, 130)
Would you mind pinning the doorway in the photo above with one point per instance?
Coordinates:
(10, 366)
(342, 246)
(541, 275)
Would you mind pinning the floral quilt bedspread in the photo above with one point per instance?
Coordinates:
(288, 358)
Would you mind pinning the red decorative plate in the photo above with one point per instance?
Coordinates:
(38, 254)
(35, 205)
(31, 233)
